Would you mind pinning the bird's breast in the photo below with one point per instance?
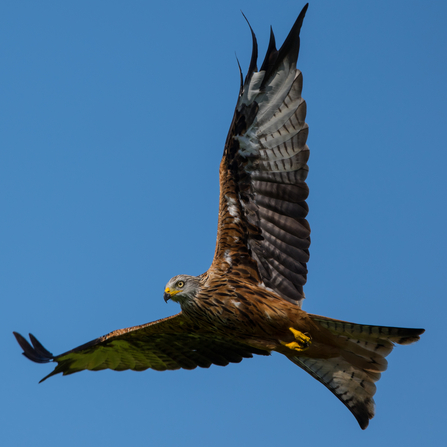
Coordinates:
(243, 311)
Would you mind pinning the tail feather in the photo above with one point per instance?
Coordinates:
(386, 334)
(352, 386)
(357, 363)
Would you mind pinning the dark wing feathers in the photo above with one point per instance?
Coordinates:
(271, 54)
(264, 169)
(254, 53)
(36, 353)
(168, 344)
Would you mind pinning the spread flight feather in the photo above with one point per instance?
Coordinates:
(249, 301)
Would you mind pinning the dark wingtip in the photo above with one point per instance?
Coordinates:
(271, 54)
(36, 353)
(292, 42)
(254, 53)
(241, 76)
(44, 353)
(289, 49)
(52, 373)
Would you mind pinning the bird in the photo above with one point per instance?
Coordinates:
(249, 302)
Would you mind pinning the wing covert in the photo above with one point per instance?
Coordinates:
(262, 216)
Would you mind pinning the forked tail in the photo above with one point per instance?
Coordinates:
(351, 374)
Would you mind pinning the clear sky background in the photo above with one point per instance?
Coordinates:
(113, 120)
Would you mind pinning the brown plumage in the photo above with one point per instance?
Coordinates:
(249, 301)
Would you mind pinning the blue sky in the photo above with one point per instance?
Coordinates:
(113, 119)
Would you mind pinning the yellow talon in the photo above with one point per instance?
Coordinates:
(302, 341)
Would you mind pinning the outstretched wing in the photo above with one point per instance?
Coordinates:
(262, 228)
(167, 344)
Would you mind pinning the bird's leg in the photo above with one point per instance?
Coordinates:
(302, 341)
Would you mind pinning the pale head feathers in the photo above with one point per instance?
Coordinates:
(181, 288)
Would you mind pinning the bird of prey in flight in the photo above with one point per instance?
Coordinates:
(249, 300)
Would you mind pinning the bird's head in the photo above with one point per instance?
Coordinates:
(181, 288)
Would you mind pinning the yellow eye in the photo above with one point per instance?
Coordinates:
(180, 284)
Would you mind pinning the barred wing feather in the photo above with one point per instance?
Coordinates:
(263, 173)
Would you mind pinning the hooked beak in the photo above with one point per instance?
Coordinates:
(167, 295)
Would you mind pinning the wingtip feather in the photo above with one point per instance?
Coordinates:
(289, 49)
(254, 53)
(44, 353)
(36, 353)
(271, 54)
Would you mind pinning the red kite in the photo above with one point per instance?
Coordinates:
(249, 301)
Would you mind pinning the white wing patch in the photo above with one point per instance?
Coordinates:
(232, 208)
(227, 257)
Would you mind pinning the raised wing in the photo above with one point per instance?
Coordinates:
(262, 227)
(167, 344)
